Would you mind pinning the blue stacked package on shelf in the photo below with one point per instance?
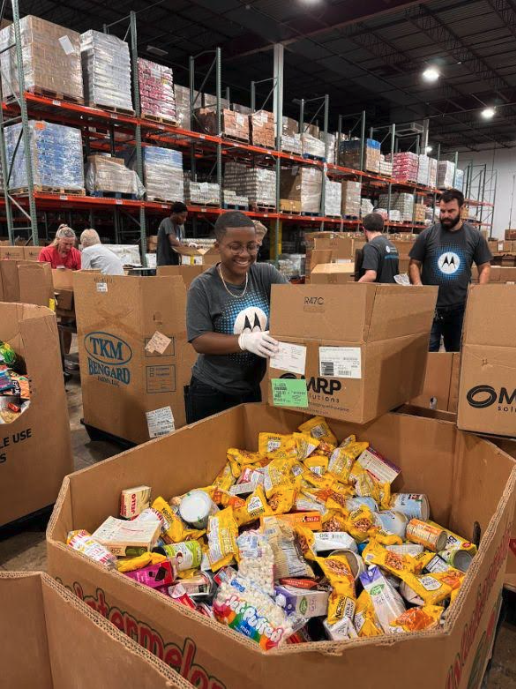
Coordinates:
(56, 155)
(162, 172)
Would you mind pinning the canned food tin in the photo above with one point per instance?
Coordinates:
(429, 535)
(393, 522)
(331, 540)
(413, 505)
(458, 558)
(355, 562)
(187, 555)
(196, 507)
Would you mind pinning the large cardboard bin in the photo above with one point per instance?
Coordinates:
(366, 345)
(51, 640)
(487, 391)
(35, 450)
(468, 480)
(122, 381)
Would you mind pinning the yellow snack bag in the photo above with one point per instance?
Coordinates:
(222, 535)
(388, 538)
(340, 605)
(306, 541)
(296, 468)
(452, 578)
(314, 481)
(254, 507)
(338, 572)
(376, 554)
(361, 524)
(225, 479)
(384, 495)
(129, 564)
(318, 428)
(364, 485)
(325, 449)
(223, 498)
(282, 498)
(243, 457)
(305, 444)
(334, 520)
(418, 619)
(278, 472)
(426, 587)
(317, 464)
(343, 458)
(338, 494)
(366, 621)
(174, 530)
(277, 446)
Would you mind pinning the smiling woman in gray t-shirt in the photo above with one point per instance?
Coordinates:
(227, 322)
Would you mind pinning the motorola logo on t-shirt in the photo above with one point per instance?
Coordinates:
(449, 263)
(251, 319)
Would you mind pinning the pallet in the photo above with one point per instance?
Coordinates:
(48, 93)
(350, 217)
(310, 156)
(260, 208)
(289, 212)
(114, 195)
(43, 189)
(234, 207)
(236, 139)
(310, 214)
(159, 119)
(157, 199)
(113, 109)
(203, 205)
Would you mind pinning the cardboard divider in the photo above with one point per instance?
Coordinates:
(188, 273)
(52, 640)
(35, 282)
(434, 459)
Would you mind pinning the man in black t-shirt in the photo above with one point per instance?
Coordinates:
(379, 256)
(171, 233)
(443, 255)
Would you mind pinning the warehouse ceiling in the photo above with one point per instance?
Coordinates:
(366, 54)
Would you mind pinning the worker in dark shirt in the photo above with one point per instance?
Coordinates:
(443, 255)
(379, 256)
(171, 233)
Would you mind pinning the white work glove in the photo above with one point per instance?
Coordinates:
(260, 343)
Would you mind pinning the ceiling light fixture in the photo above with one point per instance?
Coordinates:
(429, 149)
(157, 51)
(431, 74)
(488, 113)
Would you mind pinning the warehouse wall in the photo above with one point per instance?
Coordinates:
(504, 161)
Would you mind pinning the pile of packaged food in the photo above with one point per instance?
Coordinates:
(300, 541)
(14, 385)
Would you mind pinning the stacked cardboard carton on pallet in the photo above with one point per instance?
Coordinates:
(107, 175)
(405, 167)
(333, 199)
(290, 137)
(313, 147)
(183, 106)
(263, 131)
(350, 154)
(163, 174)
(202, 193)
(258, 184)
(106, 68)
(157, 98)
(445, 174)
(401, 202)
(303, 184)
(234, 124)
(351, 201)
(51, 60)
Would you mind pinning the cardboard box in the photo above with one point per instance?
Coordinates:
(333, 274)
(510, 235)
(376, 339)
(63, 291)
(467, 480)
(35, 450)
(122, 382)
(440, 389)
(52, 640)
(188, 273)
(9, 279)
(31, 253)
(193, 256)
(13, 253)
(487, 392)
(35, 281)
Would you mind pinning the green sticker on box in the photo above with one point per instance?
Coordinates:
(289, 392)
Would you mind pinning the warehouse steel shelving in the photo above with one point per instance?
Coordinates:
(115, 128)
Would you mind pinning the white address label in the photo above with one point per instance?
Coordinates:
(290, 358)
(160, 422)
(102, 287)
(340, 362)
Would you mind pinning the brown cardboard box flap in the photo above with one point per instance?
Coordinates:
(490, 315)
(188, 273)
(193, 251)
(35, 281)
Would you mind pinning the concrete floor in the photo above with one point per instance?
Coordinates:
(23, 547)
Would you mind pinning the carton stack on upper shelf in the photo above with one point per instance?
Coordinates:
(405, 166)
(303, 184)
(262, 129)
(258, 184)
(56, 154)
(350, 154)
(459, 179)
(290, 137)
(163, 174)
(423, 172)
(312, 146)
(401, 202)
(106, 66)
(445, 174)
(202, 193)
(351, 198)
(183, 112)
(419, 213)
(432, 173)
(332, 198)
(107, 175)
(385, 166)
(234, 124)
(157, 98)
(50, 67)
(332, 147)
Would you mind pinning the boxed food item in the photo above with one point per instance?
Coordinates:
(183, 109)
(134, 357)
(332, 198)
(303, 184)
(419, 213)
(215, 652)
(156, 90)
(202, 193)
(365, 345)
(68, 640)
(210, 100)
(487, 394)
(105, 174)
(263, 130)
(106, 68)
(232, 199)
(351, 201)
(445, 174)
(385, 166)
(51, 60)
(234, 124)
(33, 461)
(56, 154)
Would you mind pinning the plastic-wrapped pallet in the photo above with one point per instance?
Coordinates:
(303, 184)
(106, 67)
(312, 146)
(262, 129)
(163, 174)
(366, 207)
(290, 136)
(351, 198)
(332, 143)
(51, 59)
(419, 213)
(405, 166)
(243, 109)
(234, 124)
(56, 153)
(258, 184)
(445, 174)
(432, 173)
(459, 179)
(423, 170)
(332, 198)
(234, 200)
(202, 193)
(183, 115)
(209, 100)
(156, 90)
(108, 175)
(385, 166)
(350, 154)
(401, 202)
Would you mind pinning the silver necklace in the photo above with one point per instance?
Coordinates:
(235, 296)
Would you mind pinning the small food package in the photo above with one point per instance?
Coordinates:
(154, 576)
(319, 429)
(133, 501)
(277, 446)
(127, 538)
(418, 619)
(366, 622)
(256, 560)
(342, 600)
(288, 559)
(388, 604)
(222, 535)
(84, 543)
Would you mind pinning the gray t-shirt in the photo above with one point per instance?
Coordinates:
(211, 309)
(380, 255)
(166, 256)
(447, 258)
(98, 257)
